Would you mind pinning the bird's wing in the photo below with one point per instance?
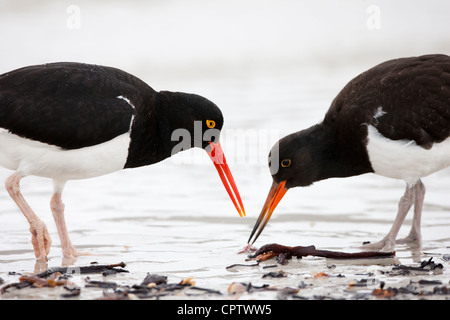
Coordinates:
(405, 99)
(69, 105)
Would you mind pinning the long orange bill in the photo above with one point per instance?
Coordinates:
(276, 193)
(218, 158)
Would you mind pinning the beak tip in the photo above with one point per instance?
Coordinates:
(276, 193)
(227, 178)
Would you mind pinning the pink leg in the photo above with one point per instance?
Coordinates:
(40, 237)
(415, 235)
(406, 202)
(57, 207)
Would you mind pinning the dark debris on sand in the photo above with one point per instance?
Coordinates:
(155, 286)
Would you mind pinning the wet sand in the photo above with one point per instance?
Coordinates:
(202, 245)
(174, 218)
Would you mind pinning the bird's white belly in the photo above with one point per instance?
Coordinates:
(401, 159)
(36, 158)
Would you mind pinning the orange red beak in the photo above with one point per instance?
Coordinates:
(276, 193)
(218, 158)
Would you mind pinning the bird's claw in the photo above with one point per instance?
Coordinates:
(41, 240)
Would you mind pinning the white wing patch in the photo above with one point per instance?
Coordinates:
(404, 159)
(41, 159)
(132, 105)
(379, 113)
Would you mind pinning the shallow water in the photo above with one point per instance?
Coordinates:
(174, 218)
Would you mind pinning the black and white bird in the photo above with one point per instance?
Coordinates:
(69, 121)
(392, 120)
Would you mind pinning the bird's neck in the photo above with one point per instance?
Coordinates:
(152, 134)
(339, 159)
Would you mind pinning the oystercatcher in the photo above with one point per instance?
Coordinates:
(69, 121)
(392, 120)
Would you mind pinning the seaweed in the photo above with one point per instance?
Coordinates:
(425, 267)
(284, 253)
(279, 274)
(154, 278)
(94, 268)
(100, 284)
(242, 265)
(73, 292)
(155, 286)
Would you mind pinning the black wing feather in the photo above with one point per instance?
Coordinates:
(413, 94)
(70, 105)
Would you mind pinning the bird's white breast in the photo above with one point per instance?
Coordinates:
(401, 159)
(41, 159)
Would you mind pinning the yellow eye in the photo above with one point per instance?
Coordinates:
(210, 123)
(286, 163)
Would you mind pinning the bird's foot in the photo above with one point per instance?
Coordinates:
(41, 240)
(384, 245)
(411, 239)
(70, 252)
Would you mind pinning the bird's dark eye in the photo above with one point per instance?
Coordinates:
(285, 163)
(210, 124)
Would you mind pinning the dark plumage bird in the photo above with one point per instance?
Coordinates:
(392, 120)
(69, 121)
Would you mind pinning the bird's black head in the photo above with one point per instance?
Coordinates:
(194, 121)
(295, 160)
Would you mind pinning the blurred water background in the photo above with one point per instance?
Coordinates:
(273, 67)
